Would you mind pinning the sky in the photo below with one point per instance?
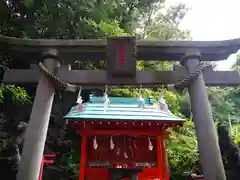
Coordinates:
(210, 20)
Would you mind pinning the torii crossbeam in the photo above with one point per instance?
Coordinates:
(120, 54)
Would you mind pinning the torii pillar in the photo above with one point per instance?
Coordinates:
(210, 155)
(36, 133)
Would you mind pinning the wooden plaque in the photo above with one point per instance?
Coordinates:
(121, 56)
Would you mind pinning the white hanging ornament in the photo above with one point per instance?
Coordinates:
(106, 101)
(80, 106)
(112, 145)
(130, 146)
(118, 151)
(125, 155)
(95, 144)
(141, 102)
(162, 103)
(134, 144)
(150, 146)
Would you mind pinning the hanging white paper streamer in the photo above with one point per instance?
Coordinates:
(112, 145)
(141, 100)
(118, 151)
(125, 155)
(79, 101)
(79, 97)
(124, 146)
(106, 101)
(130, 146)
(162, 103)
(150, 146)
(134, 143)
(95, 144)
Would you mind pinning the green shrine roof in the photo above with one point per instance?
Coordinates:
(121, 108)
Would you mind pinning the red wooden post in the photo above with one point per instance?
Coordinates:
(159, 156)
(83, 157)
(45, 161)
(41, 169)
(165, 159)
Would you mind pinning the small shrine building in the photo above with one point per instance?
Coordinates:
(123, 138)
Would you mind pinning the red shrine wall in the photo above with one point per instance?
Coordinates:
(127, 150)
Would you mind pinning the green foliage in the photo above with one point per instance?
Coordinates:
(111, 28)
(235, 133)
(237, 140)
(28, 3)
(225, 103)
(182, 150)
(18, 94)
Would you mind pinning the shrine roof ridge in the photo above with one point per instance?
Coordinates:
(122, 109)
(90, 49)
(119, 100)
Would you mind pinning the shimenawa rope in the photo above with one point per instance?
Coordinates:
(73, 88)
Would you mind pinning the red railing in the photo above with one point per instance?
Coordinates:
(45, 161)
